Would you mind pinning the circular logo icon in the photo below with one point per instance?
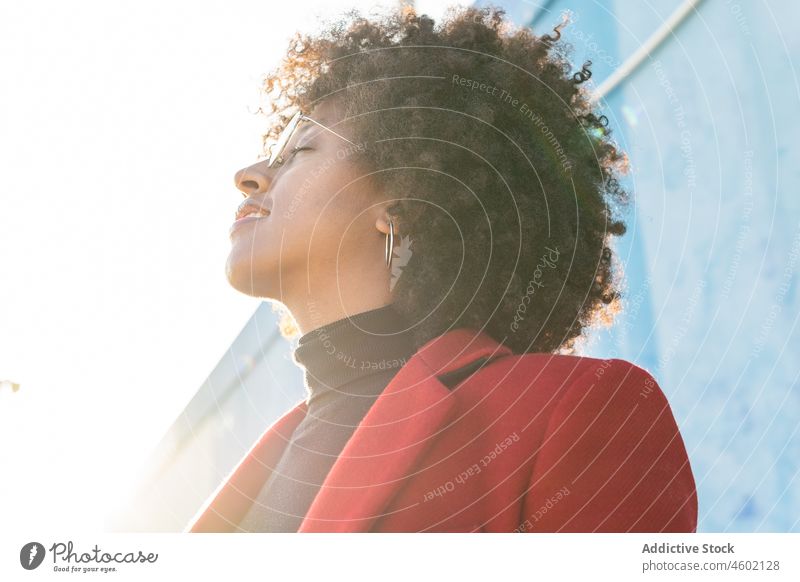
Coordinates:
(31, 555)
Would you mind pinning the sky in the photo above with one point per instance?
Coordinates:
(121, 127)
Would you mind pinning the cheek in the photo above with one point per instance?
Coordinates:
(300, 192)
(327, 190)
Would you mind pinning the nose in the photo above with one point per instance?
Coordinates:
(253, 179)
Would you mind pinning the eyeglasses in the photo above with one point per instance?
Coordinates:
(276, 151)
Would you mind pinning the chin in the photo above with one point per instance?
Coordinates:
(247, 277)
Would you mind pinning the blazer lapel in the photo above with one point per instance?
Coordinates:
(399, 427)
(382, 452)
(225, 508)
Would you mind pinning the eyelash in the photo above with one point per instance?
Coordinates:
(299, 149)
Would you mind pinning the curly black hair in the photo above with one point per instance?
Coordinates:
(497, 165)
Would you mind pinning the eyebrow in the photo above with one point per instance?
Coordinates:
(303, 132)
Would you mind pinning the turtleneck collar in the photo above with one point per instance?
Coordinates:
(370, 342)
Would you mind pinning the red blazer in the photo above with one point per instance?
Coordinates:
(527, 443)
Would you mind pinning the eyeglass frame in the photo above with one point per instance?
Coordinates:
(276, 151)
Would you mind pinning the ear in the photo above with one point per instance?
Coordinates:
(382, 224)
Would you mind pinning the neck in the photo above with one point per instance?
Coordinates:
(336, 297)
(335, 356)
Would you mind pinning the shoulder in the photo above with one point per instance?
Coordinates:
(609, 444)
(558, 398)
(544, 381)
(612, 394)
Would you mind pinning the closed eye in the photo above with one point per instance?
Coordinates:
(299, 149)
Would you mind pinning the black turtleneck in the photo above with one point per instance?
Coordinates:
(347, 365)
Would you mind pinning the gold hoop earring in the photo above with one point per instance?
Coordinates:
(390, 245)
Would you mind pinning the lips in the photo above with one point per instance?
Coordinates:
(252, 207)
(248, 211)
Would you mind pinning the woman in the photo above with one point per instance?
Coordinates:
(435, 219)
